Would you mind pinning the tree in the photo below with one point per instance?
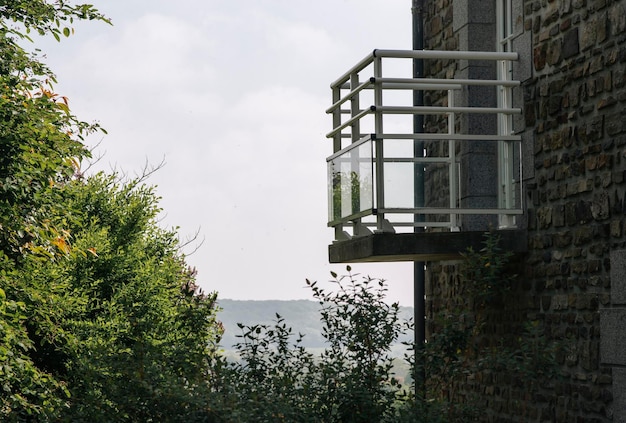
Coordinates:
(141, 332)
(100, 316)
(360, 328)
(40, 140)
(25, 390)
(38, 153)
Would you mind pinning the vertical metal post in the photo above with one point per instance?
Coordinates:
(336, 179)
(506, 191)
(452, 171)
(378, 129)
(418, 151)
(355, 109)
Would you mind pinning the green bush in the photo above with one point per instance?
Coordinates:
(276, 379)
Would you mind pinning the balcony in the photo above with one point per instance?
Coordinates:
(397, 193)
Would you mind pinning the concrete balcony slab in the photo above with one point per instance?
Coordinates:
(424, 246)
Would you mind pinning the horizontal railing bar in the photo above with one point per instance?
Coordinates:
(349, 122)
(442, 137)
(446, 137)
(445, 54)
(434, 83)
(419, 86)
(414, 224)
(362, 64)
(424, 211)
(416, 84)
(352, 146)
(422, 224)
(434, 110)
(431, 210)
(410, 84)
(416, 160)
(451, 81)
(352, 93)
(350, 218)
(423, 54)
(336, 157)
(443, 110)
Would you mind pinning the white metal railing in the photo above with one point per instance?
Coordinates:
(366, 186)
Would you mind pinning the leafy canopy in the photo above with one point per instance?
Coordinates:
(100, 317)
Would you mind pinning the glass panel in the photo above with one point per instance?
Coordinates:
(399, 184)
(350, 182)
(398, 148)
(400, 174)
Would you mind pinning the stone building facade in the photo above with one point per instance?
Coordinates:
(572, 280)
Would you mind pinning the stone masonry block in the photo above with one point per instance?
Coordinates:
(589, 33)
(619, 395)
(613, 336)
(570, 43)
(522, 69)
(618, 277)
(461, 15)
(617, 19)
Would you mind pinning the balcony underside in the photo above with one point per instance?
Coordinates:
(427, 246)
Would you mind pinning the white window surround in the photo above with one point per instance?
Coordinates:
(506, 152)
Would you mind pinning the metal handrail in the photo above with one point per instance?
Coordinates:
(426, 110)
(350, 128)
(423, 54)
(353, 93)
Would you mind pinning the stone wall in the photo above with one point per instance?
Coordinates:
(470, 29)
(572, 278)
(436, 176)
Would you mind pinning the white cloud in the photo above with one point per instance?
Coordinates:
(232, 94)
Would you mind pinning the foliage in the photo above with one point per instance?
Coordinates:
(276, 379)
(115, 313)
(145, 334)
(273, 381)
(360, 328)
(486, 272)
(39, 152)
(100, 316)
(461, 349)
(301, 314)
(25, 390)
(40, 140)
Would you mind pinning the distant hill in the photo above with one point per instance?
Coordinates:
(302, 315)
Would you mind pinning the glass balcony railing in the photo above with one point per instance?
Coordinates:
(384, 177)
(351, 178)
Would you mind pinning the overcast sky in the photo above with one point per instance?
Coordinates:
(231, 95)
